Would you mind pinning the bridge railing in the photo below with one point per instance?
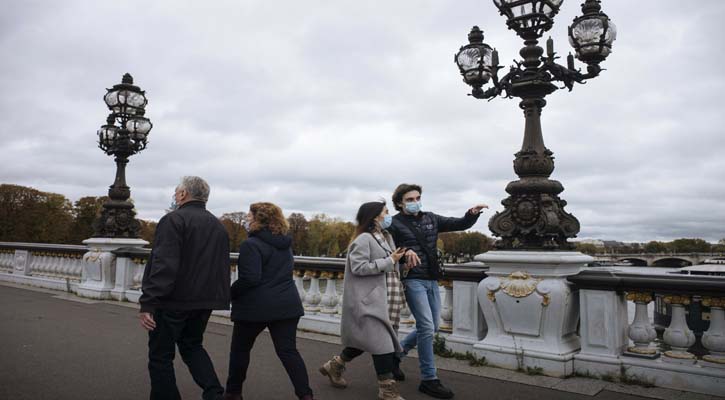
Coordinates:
(318, 281)
(45, 265)
(680, 357)
(611, 345)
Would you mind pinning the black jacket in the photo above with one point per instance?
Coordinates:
(265, 290)
(189, 266)
(430, 225)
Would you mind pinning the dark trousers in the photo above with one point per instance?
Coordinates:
(383, 362)
(184, 329)
(284, 338)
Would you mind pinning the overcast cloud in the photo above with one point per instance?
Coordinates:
(319, 106)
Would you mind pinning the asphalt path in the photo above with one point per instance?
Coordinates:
(62, 347)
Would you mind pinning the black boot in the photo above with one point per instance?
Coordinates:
(398, 374)
(434, 388)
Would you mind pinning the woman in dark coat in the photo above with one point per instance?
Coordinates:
(265, 296)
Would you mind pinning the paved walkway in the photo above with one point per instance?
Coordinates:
(58, 346)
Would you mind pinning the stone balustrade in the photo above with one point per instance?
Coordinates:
(676, 358)
(606, 340)
(51, 266)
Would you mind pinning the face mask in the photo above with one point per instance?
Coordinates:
(173, 206)
(247, 226)
(413, 207)
(387, 221)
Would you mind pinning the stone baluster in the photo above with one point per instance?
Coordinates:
(34, 263)
(67, 265)
(50, 266)
(447, 307)
(7, 258)
(74, 268)
(341, 282)
(138, 276)
(714, 338)
(77, 268)
(47, 264)
(641, 331)
(313, 295)
(298, 277)
(329, 299)
(42, 263)
(678, 335)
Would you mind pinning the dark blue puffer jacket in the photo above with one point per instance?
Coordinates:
(430, 225)
(265, 290)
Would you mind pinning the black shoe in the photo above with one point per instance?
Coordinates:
(398, 374)
(434, 388)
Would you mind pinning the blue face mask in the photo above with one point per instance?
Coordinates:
(413, 207)
(387, 221)
(247, 226)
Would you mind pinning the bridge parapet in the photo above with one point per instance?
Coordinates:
(682, 360)
(610, 346)
(318, 280)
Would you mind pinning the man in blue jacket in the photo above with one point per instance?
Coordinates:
(418, 231)
(186, 277)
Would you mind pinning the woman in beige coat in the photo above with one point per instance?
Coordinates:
(372, 300)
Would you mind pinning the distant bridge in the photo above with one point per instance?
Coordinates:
(660, 259)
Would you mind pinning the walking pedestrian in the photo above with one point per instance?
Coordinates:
(265, 296)
(372, 301)
(418, 231)
(186, 277)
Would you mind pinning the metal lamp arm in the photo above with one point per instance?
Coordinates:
(567, 74)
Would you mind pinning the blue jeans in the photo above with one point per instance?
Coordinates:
(424, 301)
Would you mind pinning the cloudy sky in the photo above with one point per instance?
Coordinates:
(322, 105)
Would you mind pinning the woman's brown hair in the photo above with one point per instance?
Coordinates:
(268, 216)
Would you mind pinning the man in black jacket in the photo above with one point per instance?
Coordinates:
(186, 277)
(418, 232)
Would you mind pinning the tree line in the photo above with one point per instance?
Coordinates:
(33, 216)
(683, 245)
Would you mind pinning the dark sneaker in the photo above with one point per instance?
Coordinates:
(434, 388)
(397, 372)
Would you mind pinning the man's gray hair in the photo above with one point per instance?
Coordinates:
(198, 188)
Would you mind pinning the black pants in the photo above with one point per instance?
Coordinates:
(284, 337)
(383, 362)
(186, 330)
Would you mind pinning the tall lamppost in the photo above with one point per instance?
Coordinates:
(124, 134)
(534, 215)
(529, 306)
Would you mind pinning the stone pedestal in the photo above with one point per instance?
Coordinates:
(469, 326)
(603, 332)
(99, 266)
(21, 263)
(530, 309)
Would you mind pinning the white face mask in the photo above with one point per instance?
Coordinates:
(247, 225)
(386, 222)
(413, 207)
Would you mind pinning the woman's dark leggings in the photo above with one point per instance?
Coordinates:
(284, 337)
(383, 363)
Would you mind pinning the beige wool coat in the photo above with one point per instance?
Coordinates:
(365, 323)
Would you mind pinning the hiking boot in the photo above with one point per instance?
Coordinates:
(397, 372)
(232, 396)
(388, 390)
(333, 369)
(434, 388)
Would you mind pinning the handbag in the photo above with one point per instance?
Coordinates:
(435, 262)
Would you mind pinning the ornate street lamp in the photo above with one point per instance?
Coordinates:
(534, 216)
(124, 134)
